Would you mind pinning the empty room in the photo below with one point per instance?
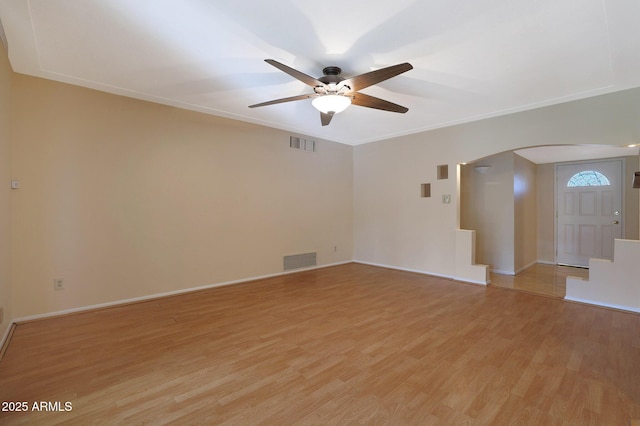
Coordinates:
(287, 212)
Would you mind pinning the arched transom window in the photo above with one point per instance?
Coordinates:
(588, 178)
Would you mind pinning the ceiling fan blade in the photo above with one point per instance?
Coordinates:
(326, 118)
(289, 99)
(368, 101)
(361, 81)
(306, 79)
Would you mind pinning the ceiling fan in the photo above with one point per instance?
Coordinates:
(333, 93)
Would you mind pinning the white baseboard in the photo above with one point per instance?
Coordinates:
(397, 268)
(528, 265)
(502, 272)
(466, 280)
(6, 335)
(605, 305)
(165, 294)
(417, 271)
(420, 271)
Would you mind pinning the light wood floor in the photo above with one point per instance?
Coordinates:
(543, 279)
(350, 344)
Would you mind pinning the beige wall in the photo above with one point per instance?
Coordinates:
(545, 185)
(123, 198)
(488, 207)
(5, 192)
(500, 205)
(525, 213)
(393, 226)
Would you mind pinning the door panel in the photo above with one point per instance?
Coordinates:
(569, 203)
(588, 219)
(608, 203)
(587, 203)
(568, 246)
(587, 240)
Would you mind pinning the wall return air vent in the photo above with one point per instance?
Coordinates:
(297, 261)
(302, 144)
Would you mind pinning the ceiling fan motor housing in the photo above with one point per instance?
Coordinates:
(332, 70)
(331, 75)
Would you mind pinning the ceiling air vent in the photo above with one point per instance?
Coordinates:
(302, 144)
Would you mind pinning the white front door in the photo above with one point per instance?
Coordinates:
(588, 211)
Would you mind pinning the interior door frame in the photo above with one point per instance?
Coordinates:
(623, 190)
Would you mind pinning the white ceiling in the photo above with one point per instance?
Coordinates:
(472, 58)
(561, 153)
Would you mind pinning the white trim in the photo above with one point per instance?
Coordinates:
(525, 267)
(605, 305)
(420, 271)
(6, 334)
(3, 38)
(165, 294)
(417, 271)
(474, 282)
(502, 272)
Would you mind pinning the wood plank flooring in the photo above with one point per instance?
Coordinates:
(351, 344)
(543, 279)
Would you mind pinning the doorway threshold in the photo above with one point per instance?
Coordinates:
(540, 278)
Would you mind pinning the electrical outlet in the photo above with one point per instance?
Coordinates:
(58, 284)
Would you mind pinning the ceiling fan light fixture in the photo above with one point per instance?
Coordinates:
(331, 103)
